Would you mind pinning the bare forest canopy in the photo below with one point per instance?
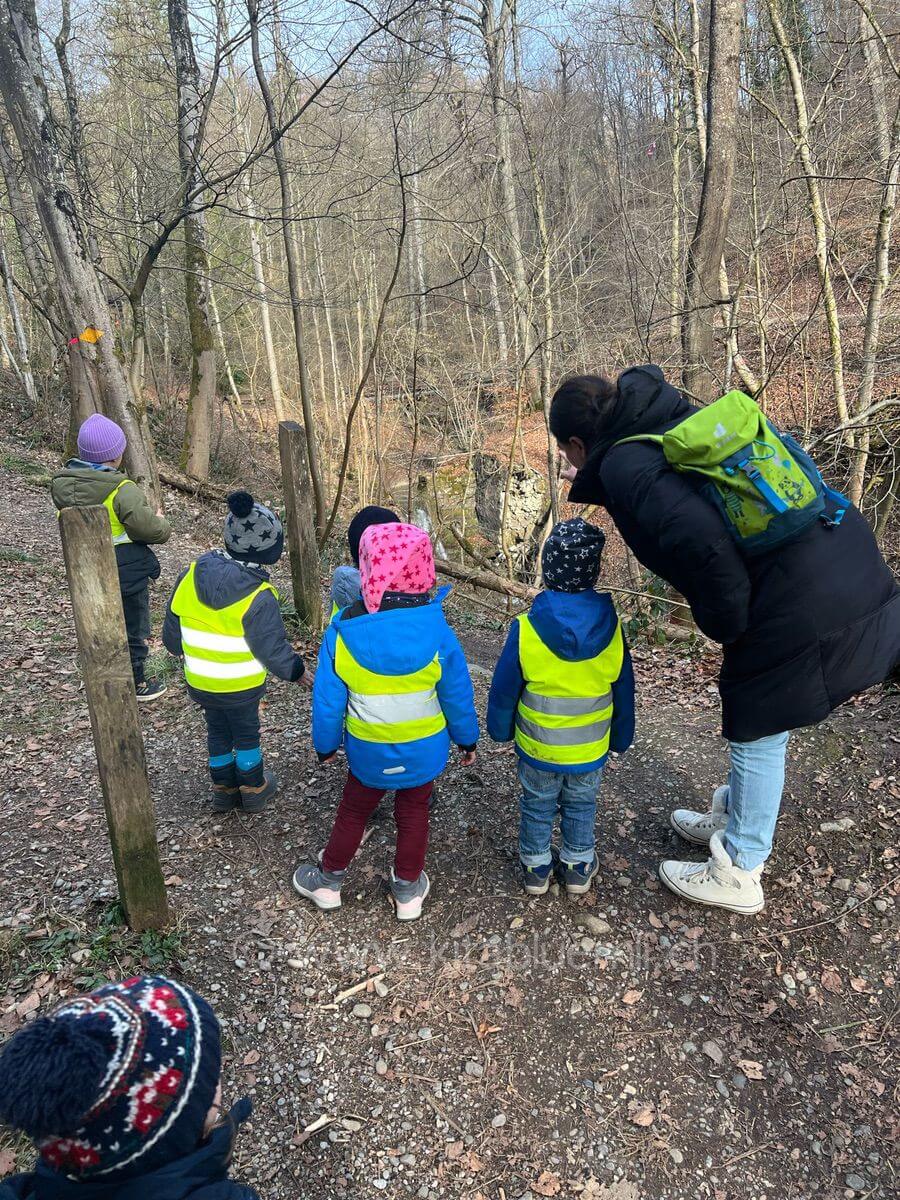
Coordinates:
(402, 223)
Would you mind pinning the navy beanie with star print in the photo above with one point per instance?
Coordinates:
(116, 1083)
(571, 556)
(253, 533)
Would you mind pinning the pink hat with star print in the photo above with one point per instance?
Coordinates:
(394, 558)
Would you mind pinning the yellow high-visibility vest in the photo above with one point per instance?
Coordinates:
(389, 708)
(565, 711)
(216, 655)
(119, 536)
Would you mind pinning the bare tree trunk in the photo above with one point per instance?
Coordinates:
(32, 253)
(888, 143)
(496, 31)
(21, 364)
(220, 333)
(80, 296)
(293, 273)
(197, 433)
(76, 128)
(816, 210)
(702, 284)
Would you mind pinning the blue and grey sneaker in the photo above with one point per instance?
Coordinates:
(577, 877)
(537, 880)
(409, 896)
(322, 887)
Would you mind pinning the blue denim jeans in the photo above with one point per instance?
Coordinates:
(755, 785)
(574, 797)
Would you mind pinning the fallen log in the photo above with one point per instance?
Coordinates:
(193, 487)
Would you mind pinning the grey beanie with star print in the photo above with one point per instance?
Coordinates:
(571, 556)
(253, 533)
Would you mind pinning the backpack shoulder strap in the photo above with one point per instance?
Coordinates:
(656, 438)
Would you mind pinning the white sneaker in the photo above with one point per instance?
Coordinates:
(409, 897)
(717, 882)
(699, 827)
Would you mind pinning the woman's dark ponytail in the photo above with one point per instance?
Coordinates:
(581, 406)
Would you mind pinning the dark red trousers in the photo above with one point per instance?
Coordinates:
(357, 805)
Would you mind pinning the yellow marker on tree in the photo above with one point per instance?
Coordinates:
(90, 334)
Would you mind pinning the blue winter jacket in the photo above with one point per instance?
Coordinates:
(575, 626)
(222, 581)
(395, 642)
(202, 1175)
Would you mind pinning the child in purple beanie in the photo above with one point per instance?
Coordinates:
(121, 1092)
(94, 477)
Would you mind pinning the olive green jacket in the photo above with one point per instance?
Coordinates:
(79, 485)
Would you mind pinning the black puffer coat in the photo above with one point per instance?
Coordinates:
(803, 627)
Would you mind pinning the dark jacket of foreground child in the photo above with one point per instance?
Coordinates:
(221, 581)
(202, 1175)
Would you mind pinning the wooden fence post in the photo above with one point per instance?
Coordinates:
(301, 527)
(109, 687)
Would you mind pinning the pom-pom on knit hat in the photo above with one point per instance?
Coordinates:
(253, 533)
(394, 558)
(371, 515)
(115, 1083)
(571, 556)
(100, 440)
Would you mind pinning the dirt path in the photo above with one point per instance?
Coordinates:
(619, 1047)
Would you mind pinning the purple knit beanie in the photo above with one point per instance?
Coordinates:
(100, 440)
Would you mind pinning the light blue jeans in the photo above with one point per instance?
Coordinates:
(755, 785)
(544, 793)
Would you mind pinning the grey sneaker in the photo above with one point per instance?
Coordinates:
(322, 887)
(409, 897)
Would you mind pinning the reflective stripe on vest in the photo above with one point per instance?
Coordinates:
(389, 708)
(565, 712)
(216, 655)
(119, 536)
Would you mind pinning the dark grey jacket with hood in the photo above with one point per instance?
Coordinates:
(222, 581)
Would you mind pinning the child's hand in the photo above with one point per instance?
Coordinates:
(468, 758)
(308, 678)
(330, 759)
(567, 471)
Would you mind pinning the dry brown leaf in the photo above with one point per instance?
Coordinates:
(641, 1113)
(753, 1070)
(514, 996)
(632, 996)
(251, 1057)
(547, 1184)
(30, 1004)
(472, 1162)
(454, 1150)
(859, 984)
(654, 920)
(7, 1162)
(831, 980)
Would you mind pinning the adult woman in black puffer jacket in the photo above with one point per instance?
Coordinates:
(803, 627)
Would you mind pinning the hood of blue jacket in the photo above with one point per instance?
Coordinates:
(574, 625)
(222, 581)
(397, 641)
(203, 1174)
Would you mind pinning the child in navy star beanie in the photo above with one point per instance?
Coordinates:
(345, 583)
(118, 1084)
(563, 691)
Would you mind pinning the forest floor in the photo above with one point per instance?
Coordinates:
(623, 1046)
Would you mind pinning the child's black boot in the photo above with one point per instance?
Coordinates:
(226, 794)
(258, 786)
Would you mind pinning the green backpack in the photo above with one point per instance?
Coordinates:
(766, 487)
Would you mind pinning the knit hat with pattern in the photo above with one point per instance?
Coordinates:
(116, 1083)
(253, 533)
(571, 556)
(394, 558)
